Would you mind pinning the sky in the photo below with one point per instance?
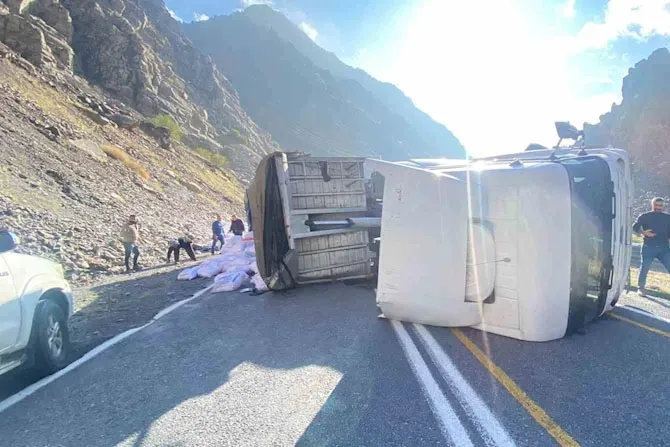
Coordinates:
(497, 73)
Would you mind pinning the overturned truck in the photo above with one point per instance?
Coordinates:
(531, 245)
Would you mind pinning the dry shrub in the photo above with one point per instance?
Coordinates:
(121, 155)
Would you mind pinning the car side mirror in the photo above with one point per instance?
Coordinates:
(8, 241)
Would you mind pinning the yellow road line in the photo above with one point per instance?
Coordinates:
(640, 325)
(536, 412)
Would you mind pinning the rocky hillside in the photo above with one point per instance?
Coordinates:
(641, 125)
(69, 176)
(135, 51)
(432, 132)
(309, 100)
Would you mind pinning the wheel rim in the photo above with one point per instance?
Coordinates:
(54, 337)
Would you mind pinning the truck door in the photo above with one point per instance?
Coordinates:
(10, 309)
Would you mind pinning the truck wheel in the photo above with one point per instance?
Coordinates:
(52, 344)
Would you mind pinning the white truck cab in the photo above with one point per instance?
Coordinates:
(35, 306)
(529, 245)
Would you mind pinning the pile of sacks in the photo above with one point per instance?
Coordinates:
(233, 267)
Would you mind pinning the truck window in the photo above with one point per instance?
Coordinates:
(591, 190)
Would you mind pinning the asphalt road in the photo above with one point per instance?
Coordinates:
(316, 367)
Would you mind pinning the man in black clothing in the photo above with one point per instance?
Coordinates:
(175, 246)
(655, 227)
(236, 226)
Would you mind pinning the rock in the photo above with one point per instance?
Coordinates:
(124, 121)
(57, 176)
(27, 39)
(91, 148)
(82, 264)
(95, 264)
(106, 109)
(85, 99)
(191, 186)
(28, 67)
(18, 6)
(136, 51)
(54, 14)
(160, 134)
(196, 140)
(117, 197)
(54, 130)
(93, 116)
(152, 190)
(58, 46)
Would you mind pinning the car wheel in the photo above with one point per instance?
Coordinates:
(53, 338)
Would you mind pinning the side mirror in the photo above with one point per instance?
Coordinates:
(8, 241)
(567, 130)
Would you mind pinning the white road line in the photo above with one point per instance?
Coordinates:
(450, 425)
(642, 312)
(488, 426)
(18, 397)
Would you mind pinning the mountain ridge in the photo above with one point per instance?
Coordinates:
(329, 113)
(388, 93)
(640, 124)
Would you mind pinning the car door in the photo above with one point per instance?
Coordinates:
(10, 308)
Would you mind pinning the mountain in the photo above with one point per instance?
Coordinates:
(641, 124)
(136, 52)
(308, 99)
(107, 110)
(390, 95)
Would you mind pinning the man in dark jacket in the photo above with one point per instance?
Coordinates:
(655, 227)
(217, 232)
(236, 226)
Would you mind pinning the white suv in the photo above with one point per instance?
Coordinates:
(35, 305)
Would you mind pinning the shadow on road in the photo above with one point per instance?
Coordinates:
(109, 309)
(316, 366)
(228, 359)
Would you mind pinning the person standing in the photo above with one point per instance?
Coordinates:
(655, 227)
(236, 226)
(130, 237)
(217, 232)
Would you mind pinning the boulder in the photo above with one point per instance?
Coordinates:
(196, 140)
(123, 121)
(58, 45)
(159, 133)
(193, 187)
(91, 148)
(54, 14)
(26, 38)
(93, 116)
(18, 6)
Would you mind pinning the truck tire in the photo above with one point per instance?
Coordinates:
(52, 341)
